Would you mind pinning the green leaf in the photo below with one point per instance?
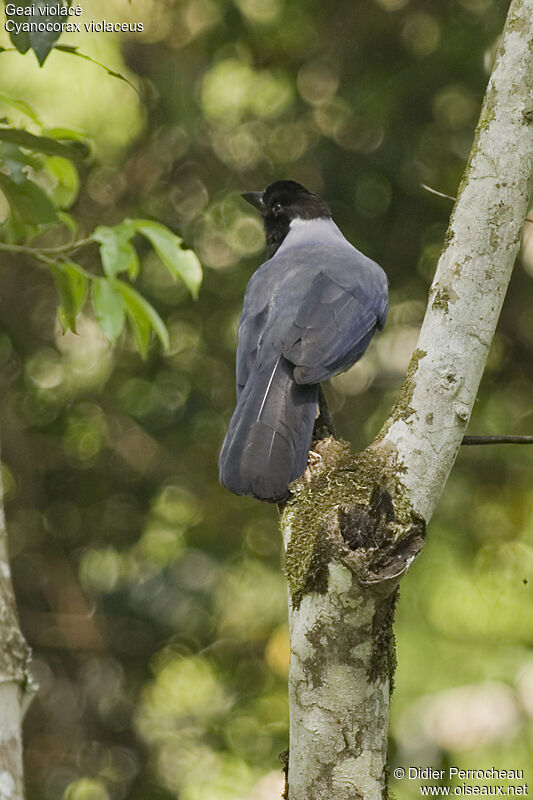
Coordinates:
(143, 318)
(116, 251)
(68, 48)
(29, 204)
(189, 269)
(20, 105)
(180, 263)
(68, 221)
(71, 283)
(15, 160)
(42, 41)
(15, 166)
(21, 40)
(66, 134)
(65, 178)
(75, 151)
(108, 307)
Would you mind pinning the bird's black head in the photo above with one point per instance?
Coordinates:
(280, 203)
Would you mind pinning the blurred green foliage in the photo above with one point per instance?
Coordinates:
(153, 600)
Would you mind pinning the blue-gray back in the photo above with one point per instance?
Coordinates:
(317, 301)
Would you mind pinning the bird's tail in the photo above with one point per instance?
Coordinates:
(268, 440)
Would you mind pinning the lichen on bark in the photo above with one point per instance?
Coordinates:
(340, 679)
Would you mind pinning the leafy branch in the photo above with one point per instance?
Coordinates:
(39, 181)
(42, 39)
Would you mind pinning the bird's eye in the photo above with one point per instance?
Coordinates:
(277, 209)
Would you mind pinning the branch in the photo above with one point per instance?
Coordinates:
(439, 194)
(62, 249)
(426, 427)
(497, 440)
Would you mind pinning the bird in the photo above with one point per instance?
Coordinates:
(309, 312)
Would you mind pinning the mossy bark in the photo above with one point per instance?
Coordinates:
(350, 535)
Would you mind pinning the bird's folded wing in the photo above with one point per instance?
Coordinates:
(251, 329)
(331, 330)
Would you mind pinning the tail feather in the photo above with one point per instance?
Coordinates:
(268, 440)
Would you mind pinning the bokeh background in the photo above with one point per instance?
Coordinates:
(153, 600)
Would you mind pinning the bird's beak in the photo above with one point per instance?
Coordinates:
(255, 199)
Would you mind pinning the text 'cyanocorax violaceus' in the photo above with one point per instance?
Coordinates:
(309, 312)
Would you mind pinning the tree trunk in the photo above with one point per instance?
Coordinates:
(355, 523)
(15, 684)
